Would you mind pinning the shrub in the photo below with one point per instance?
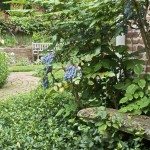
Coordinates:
(23, 62)
(3, 69)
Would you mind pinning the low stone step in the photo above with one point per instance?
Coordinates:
(129, 123)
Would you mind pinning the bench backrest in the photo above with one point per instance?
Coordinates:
(39, 47)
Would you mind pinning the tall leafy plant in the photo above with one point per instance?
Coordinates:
(85, 32)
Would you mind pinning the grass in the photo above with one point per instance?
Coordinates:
(27, 68)
(38, 70)
(58, 72)
(32, 67)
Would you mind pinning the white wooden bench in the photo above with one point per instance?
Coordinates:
(37, 48)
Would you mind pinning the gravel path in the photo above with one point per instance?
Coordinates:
(17, 83)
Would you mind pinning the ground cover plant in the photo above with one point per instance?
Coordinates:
(3, 68)
(47, 120)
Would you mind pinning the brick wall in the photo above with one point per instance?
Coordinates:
(135, 43)
(20, 52)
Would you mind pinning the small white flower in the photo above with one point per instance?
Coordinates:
(12, 54)
(2, 41)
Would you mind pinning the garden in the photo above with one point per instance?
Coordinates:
(83, 92)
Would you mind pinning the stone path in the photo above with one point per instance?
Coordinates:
(17, 83)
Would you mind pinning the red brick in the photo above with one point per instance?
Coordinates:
(128, 41)
(140, 47)
(20, 52)
(135, 41)
(134, 48)
(147, 69)
(140, 41)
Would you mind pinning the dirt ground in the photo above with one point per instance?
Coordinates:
(18, 83)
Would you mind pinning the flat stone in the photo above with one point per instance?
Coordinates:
(130, 123)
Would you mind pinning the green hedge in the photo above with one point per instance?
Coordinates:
(3, 68)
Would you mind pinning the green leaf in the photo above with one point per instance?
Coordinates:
(141, 94)
(97, 67)
(90, 82)
(97, 51)
(142, 83)
(60, 112)
(144, 102)
(115, 125)
(138, 69)
(123, 100)
(128, 108)
(131, 89)
(129, 96)
(102, 128)
(136, 95)
(130, 64)
(109, 74)
(119, 86)
(137, 112)
(103, 114)
(93, 23)
(148, 77)
(106, 63)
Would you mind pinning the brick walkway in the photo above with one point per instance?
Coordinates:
(17, 83)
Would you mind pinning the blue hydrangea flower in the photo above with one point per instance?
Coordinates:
(48, 59)
(70, 73)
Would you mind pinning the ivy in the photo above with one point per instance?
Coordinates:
(137, 97)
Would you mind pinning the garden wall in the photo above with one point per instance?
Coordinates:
(20, 52)
(135, 43)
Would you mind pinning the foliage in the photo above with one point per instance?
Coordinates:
(47, 120)
(26, 23)
(4, 6)
(9, 40)
(22, 30)
(85, 30)
(88, 43)
(18, 61)
(23, 62)
(137, 94)
(3, 68)
(43, 4)
(40, 37)
(16, 40)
